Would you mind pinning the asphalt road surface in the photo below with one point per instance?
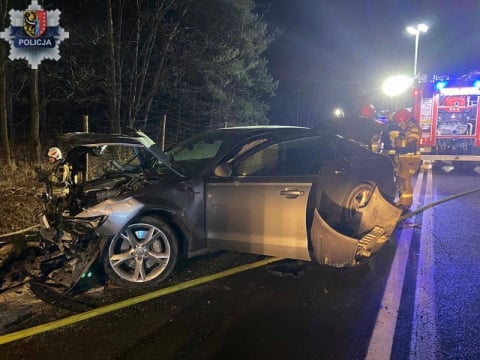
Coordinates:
(418, 299)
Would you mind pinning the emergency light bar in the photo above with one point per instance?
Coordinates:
(459, 91)
(440, 85)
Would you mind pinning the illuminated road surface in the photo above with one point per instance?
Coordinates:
(311, 313)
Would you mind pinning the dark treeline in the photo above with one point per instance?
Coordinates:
(130, 63)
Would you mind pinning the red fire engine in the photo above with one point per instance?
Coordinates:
(448, 113)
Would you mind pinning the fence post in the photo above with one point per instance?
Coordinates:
(163, 131)
(85, 129)
(85, 123)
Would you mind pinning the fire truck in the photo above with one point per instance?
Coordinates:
(448, 113)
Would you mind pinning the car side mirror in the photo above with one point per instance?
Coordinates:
(223, 170)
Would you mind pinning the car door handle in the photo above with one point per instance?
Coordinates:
(292, 193)
(339, 172)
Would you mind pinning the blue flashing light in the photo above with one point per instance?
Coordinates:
(440, 85)
(476, 84)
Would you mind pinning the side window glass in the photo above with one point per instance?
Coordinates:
(261, 163)
(345, 148)
(290, 158)
(244, 148)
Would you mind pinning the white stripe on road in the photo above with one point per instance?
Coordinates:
(423, 343)
(380, 346)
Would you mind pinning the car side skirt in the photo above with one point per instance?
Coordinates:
(299, 253)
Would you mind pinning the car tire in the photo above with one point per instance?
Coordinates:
(143, 254)
(357, 198)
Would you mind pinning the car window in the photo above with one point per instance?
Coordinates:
(290, 158)
(244, 148)
(114, 158)
(347, 148)
(194, 154)
(199, 150)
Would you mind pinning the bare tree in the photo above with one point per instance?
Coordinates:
(5, 154)
(152, 39)
(114, 34)
(35, 117)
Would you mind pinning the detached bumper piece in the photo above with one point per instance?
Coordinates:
(374, 224)
(56, 297)
(67, 253)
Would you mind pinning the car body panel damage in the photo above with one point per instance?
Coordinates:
(136, 210)
(375, 222)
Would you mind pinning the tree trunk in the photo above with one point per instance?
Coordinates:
(115, 70)
(35, 113)
(5, 155)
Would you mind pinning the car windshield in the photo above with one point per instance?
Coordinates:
(114, 158)
(196, 153)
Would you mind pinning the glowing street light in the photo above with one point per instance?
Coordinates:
(416, 32)
(397, 85)
(338, 113)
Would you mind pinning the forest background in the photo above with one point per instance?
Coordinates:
(130, 64)
(171, 68)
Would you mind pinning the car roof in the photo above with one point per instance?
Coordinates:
(240, 133)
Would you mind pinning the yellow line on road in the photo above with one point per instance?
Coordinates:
(129, 302)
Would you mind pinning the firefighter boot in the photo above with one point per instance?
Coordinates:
(408, 165)
(405, 198)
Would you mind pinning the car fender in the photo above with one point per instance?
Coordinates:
(375, 222)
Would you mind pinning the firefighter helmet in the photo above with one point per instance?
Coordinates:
(402, 116)
(55, 152)
(367, 111)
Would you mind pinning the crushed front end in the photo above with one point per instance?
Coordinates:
(77, 207)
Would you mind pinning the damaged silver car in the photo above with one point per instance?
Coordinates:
(281, 191)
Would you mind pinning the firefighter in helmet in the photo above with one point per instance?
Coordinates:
(371, 126)
(368, 111)
(58, 170)
(363, 129)
(404, 139)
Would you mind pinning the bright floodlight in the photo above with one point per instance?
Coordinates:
(338, 113)
(418, 29)
(422, 27)
(396, 85)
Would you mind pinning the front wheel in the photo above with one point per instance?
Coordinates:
(144, 253)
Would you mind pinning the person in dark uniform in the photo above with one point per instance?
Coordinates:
(364, 129)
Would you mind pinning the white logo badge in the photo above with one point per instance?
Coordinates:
(34, 34)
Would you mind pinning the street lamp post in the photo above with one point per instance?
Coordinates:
(416, 32)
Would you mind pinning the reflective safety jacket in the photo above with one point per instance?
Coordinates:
(411, 143)
(59, 174)
(402, 139)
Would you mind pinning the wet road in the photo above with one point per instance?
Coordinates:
(313, 313)
(439, 314)
(456, 273)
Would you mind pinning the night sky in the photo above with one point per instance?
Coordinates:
(338, 52)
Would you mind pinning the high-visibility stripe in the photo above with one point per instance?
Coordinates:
(132, 301)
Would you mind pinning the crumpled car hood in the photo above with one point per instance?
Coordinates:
(81, 142)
